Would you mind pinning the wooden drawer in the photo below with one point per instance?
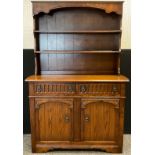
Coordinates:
(54, 88)
(103, 89)
(79, 89)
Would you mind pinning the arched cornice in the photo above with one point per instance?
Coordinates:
(54, 101)
(114, 102)
(46, 7)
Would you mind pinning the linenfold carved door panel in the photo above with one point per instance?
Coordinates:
(54, 119)
(100, 118)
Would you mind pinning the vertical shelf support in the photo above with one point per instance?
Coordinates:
(118, 64)
(36, 65)
(35, 47)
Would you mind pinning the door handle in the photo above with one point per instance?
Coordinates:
(66, 118)
(86, 118)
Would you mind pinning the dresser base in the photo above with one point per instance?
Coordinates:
(77, 114)
(42, 148)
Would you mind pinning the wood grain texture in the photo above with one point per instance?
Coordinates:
(78, 63)
(99, 119)
(77, 123)
(126, 148)
(78, 78)
(77, 29)
(107, 41)
(92, 20)
(33, 126)
(107, 89)
(74, 52)
(77, 119)
(54, 119)
(46, 7)
(84, 109)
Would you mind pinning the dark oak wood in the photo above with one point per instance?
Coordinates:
(77, 120)
(99, 119)
(90, 114)
(80, 29)
(77, 94)
(73, 52)
(54, 119)
(78, 63)
(108, 6)
(78, 41)
(78, 32)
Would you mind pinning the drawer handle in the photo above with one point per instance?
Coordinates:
(67, 119)
(83, 89)
(114, 88)
(39, 88)
(70, 88)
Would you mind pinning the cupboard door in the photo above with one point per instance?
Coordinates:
(54, 119)
(100, 118)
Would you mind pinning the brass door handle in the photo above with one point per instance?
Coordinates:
(86, 118)
(66, 118)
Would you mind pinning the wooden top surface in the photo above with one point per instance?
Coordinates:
(107, 1)
(77, 78)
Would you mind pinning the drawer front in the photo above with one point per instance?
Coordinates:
(54, 88)
(103, 89)
(78, 89)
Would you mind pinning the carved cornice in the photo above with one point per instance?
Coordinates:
(46, 7)
(114, 102)
(68, 102)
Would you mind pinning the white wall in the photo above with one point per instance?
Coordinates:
(28, 25)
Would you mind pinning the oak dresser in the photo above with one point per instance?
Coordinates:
(77, 93)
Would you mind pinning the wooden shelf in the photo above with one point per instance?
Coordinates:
(72, 52)
(79, 31)
(78, 78)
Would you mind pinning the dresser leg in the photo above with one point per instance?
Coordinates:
(33, 149)
(113, 150)
(43, 150)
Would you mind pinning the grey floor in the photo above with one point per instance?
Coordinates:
(126, 149)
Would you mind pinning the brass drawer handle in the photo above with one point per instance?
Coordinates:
(83, 88)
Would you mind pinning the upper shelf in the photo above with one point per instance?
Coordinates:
(107, 6)
(79, 31)
(73, 52)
